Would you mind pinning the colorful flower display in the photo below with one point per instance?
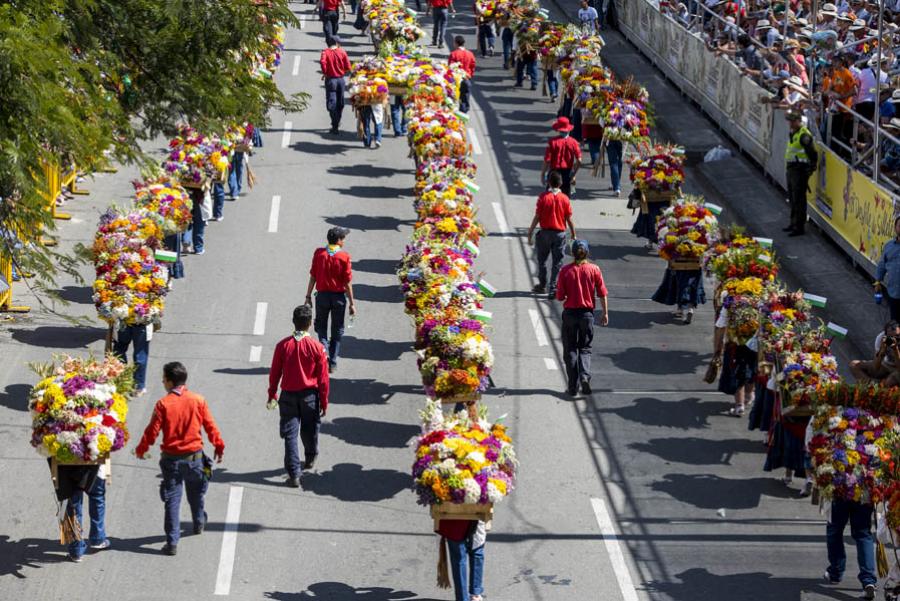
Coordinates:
(741, 258)
(743, 318)
(802, 372)
(165, 197)
(436, 133)
(659, 168)
(686, 229)
(456, 360)
(461, 460)
(194, 158)
(78, 409)
(625, 116)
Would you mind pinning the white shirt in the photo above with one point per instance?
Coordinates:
(588, 17)
(867, 84)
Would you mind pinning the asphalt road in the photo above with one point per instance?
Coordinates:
(644, 491)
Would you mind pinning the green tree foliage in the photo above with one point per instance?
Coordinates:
(80, 77)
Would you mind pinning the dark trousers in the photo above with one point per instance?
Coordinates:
(331, 305)
(137, 336)
(797, 181)
(330, 21)
(552, 82)
(334, 99)
(485, 37)
(860, 518)
(566, 187)
(198, 226)
(398, 116)
(549, 243)
(299, 413)
(218, 198)
(173, 242)
(440, 26)
(893, 305)
(178, 475)
(531, 67)
(464, 91)
(507, 37)
(577, 336)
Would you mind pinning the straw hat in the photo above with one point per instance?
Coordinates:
(857, 25)
(829, 9)
(895, 96)
(873, 62)
(763, 24)
(893, 124)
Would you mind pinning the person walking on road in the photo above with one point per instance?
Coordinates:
(579, 282)
(526, 61)
(859, 515)
(330, 17)
(137, 336)
(563, 154)
(180, 415)
(887, 275)
(72, 483)
(466, 61)
(801, 158)
(300, 364)
(330, 275)
(440, 10)
(335, 65)
(465, 539)
(554, 214)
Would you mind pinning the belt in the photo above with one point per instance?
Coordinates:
(189, 456)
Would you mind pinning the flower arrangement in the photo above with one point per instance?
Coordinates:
(165, 197)
(659, 168)
(743, 318)
(746, 259)
(78, 409)
(450, 168)
(847, 448)
(575, 42)
(528, 35)
(193, 158)
(686, 229)
(444, 198)
(551, 36)
(592, 87)
(802, 372)
(785, 318)
(454, 230)
(436, 133)
(747, 286)
(626, 116)
(462, 460)
(130, 286)
(435, 282)
(456, 360)
(364, 90)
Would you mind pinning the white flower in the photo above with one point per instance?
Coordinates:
(473, 491)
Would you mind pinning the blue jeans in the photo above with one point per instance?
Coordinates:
(236, 175)
(486, 37)
(299, 413)
(334, 99)
(173, 243)
(614, 156)
(370, 126)
(531, 66)
(506, 36)
(218, 198)
(440, 26)
(333, 305)
(465, 90)
(137, 336)
(179, 475)
(330, 21)
(860, 518)
(549, 243)
(198, 226)
(466, 582)
(552, 82)
(97, 511)
(594, 149)
(398, 116)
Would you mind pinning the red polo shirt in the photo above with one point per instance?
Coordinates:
(331, 5)
(562, 152)
(577, 284)
(300, 365)
(553, 209)
(334, 62)
(441, 3)
(466, 60)
(332, 271)
(180, 415)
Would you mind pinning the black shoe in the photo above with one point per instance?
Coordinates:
(333, 130)
(310, 462)
(585, 387)
(795, 233)
(293, 482)
(572, 392)
(789, 228)
(518, 85)
(198, 529)
(533, 88)
(332, 367)
(551, 296)
(170, 549)
(538, 289)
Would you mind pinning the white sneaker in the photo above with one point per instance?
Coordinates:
(377, 144)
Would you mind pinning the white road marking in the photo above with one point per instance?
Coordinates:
(473, 138)
(259, 324)
(255, 354)
(302, 21)
(616, 557)
(501, 218)
(296, 70)
(551, 364)
(229, 540)
(286, 134)
(539, 332)
(273, 214)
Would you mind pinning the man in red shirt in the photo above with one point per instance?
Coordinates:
(330, 274)
(440, 8)
(335, 65)
(579, 281)
(330, 20)
(563, 154)
(466, 60)
(301, 365)
(553, 213)
(180, 415)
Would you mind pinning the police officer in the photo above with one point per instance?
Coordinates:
(800, 159)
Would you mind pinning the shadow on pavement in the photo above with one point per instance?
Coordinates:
(378, 294)
(338, 591)
(243, 371)
(366, 392)
(317, 148)
(83, 295)
(686, 414)
(370, 433)
(28, 553)
(350, 482)
(15, 397)
(383, 266)
(366, 171)
(373, 191)
(633, 320)
(59, 336)
(707, 491)
(662, 361)
(699, 583)
(371, 349)
(223, 475)
(605, 252)
(698, 451)
(368, 222)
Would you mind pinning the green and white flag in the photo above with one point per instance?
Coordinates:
(713, 208)
(815, 300)
(462, 116)
(764, 242)
(471, 247)
(482, 316)
(486, 289)
(544, 13)
(165, 256)
(765, 257)
(472, 186)
(836, 330)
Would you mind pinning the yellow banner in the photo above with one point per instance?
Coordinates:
(858, 210)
